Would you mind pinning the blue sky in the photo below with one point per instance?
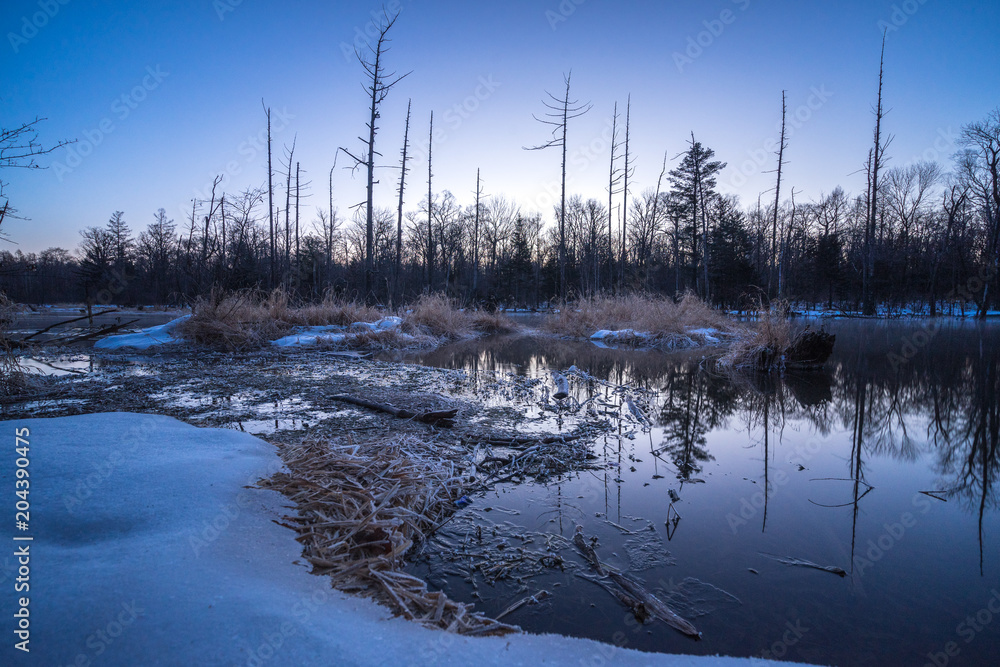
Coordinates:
(162, 96)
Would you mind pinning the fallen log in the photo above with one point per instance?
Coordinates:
(633, 591)
(588, 552)
(445, 418)
(110, 329)
(636, 606)
(654, 606)
(59, 324)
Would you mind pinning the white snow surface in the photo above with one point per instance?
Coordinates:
(611, 335)
(162, 334)
(149, 549)
(309, 336)
(708, 334)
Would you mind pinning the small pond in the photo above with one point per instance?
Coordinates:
(882, 466)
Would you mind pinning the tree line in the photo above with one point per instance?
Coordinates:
(922, 235)
(934, 243)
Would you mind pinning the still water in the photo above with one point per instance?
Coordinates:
(882, 465)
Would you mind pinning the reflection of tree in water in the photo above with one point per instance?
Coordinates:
(948, 393)
(694, 403)
(943, 400)
(966, 432)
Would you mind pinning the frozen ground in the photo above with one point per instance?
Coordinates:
(149, 549)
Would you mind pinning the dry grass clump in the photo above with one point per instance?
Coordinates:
(250, 319)
(492, 322)
(656, 315)
(762, 348)
(335, 310)
(12, 377)
(361, 509)
(437, 315)
(237, 320)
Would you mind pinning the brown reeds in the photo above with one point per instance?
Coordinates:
(762, 348)
(250, 319)
(661, 318)
(12, 377)
(361, 509)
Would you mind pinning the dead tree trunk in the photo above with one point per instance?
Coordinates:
(475, 239)
(562, 112)
(430, 208)
(614, 176)
(777, 201)
(270, 192)
(876, 164)
(398, 264)
(288, 210)
(623, 255)
(379, 84)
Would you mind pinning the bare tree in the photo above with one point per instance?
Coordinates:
(475, 237)
(430, 209)
(560, 112)
(982, 171)
(876, 160)
(782, 145)
(397, 265)
(628, 171)
(614, 178)
(379, 84)
(288, 205)
(270, 192)
(18, 149)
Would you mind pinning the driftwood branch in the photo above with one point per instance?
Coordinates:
(104, 331)
(59, 324)
(444, 418)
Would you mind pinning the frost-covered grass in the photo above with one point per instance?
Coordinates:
(639, 319)
(12, 376)
(251, 320)
(761, 348)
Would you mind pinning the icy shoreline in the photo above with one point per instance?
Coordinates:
(150, 549)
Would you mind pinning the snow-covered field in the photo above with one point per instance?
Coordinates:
(149, 549)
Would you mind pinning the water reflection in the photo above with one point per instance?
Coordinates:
(887, 456)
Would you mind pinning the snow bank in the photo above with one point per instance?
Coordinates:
(708, 334)
(384, 324)
(609, 336)
(309, 336)
(149, 549)
(162, 334)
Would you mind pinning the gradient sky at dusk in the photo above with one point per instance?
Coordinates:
(483, 68)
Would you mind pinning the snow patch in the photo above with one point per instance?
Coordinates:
(153, 531)
(708, 334)
(610, 336)
(331, 334)
(162, 334)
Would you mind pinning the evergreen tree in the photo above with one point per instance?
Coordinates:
(694, 180)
